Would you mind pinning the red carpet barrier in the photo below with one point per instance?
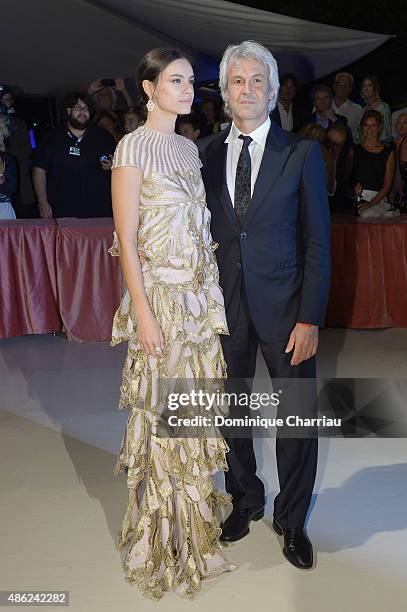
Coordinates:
(89, 278)
(369, 273)
(28, 286)
(59, 274)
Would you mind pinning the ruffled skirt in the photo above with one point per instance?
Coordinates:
(170, 532)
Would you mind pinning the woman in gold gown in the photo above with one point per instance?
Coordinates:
(171, 315)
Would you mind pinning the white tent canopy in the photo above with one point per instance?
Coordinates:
(51, 46)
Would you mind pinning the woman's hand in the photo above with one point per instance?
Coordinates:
(141, 256)
(150, 335)
(363, 205)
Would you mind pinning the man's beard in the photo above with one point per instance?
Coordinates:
(79, 125)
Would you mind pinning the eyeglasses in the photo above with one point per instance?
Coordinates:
(78, 108)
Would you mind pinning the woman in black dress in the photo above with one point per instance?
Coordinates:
(373, 169)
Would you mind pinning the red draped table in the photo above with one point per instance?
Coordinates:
(369, 273)
(89, 278)
(58, 274)
(28, 282)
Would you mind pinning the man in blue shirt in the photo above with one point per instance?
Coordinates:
(324, 115)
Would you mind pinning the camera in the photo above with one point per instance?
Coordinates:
(108, 82)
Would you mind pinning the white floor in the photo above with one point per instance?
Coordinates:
(62, 507)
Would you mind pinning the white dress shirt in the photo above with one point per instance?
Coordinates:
(256, 149)
(353, 113)
(286, 118)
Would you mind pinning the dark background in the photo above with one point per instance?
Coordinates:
(388, 62)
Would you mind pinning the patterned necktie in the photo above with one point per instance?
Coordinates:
(243, 180)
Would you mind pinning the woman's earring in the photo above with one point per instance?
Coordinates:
(150, 105)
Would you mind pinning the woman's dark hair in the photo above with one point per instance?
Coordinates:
(372, 114)
(192, 119)
(337, 126)
(288, 76)
(153, 64)
(375, 82)
(313, 131)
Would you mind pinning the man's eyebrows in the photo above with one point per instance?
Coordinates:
(238, 76)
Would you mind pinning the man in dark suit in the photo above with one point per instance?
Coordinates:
(266, 190)
(288, 113)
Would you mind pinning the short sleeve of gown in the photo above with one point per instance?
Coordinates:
(195, 150)
(128, 152)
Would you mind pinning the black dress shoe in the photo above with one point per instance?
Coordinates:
(297, 546)
(237, 524)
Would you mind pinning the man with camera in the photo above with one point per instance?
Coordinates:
(105, 92)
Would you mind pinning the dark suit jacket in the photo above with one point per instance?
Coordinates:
(283, 248)
(301, 116)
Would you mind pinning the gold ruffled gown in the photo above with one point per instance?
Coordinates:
(170, 532)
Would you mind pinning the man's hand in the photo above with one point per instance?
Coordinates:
(119, 84)
(304, 341)
(330, 114)
(107, 163)
(94, 87)
(45, 210)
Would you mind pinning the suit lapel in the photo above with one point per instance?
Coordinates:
(216, 178)
(275, 156)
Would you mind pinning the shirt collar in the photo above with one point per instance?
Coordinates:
(280, 105)
(343, 105)
(77, 138)
(259, 135)
(322, 118)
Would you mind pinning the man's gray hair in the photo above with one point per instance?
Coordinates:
(321, 87)
(248, 49)
(347, 74)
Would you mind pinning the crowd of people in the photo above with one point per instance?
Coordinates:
(68, 175)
